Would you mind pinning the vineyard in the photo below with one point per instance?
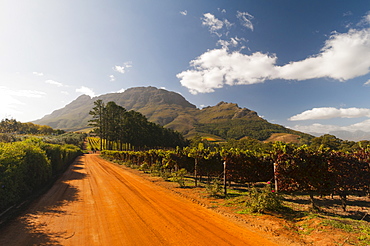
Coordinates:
(290, 169)
(93, 144)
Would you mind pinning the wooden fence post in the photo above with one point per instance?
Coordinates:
(276, 182)
(225, 188)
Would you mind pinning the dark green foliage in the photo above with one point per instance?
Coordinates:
(14, 126)
(263, 200)
(333, 143)
(114, 124)
(76, 139)
(247, 144)
(26, 166)
(256, 128)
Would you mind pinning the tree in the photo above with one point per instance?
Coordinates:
(97, 121)
(116, 125)
(326, 141)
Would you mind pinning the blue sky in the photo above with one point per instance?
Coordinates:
(302, 64)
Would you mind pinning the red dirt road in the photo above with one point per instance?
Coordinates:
(98, 203)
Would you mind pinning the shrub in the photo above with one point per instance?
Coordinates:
(144, 167)
(214, 188)
(262, 200)
(179, 177)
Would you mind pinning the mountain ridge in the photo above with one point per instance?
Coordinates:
(170, 109)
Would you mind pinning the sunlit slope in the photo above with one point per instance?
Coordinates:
(170, 109)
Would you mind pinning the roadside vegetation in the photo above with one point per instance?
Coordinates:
(30, 159)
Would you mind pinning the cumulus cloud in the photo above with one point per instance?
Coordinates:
(218, 67)
(365, 20)
(344, 56)
(52, 82)
(245, 19)
(112, 78)
(185, 12)
(86, 91)
(330, 112)
(367, 83)
(322, 128)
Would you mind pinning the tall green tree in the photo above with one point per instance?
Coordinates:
(116, 125)
(97, 120)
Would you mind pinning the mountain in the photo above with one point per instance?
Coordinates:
(158, 105)
(348, 135)
(170, 109)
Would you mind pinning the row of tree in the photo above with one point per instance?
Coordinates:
(14, 126)
(117, 126)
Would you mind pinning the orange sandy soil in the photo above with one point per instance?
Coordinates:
(99, 203)
(96, 202)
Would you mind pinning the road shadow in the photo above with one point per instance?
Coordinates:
(357, 207)
(26, 225)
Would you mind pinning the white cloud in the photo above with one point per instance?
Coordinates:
(38, 74)
(245, 19)
(52, 82)
(122, 69)
(112, 78)
(120, 91)
(212, 22)
(321, 128)
(87, 91)
(343, 57)
(9, 101)
(128, 64)
(317, 128)
(329, 113)
(218, 67)
(367, 83)
(21, 93)
(29, 93)
(234, 42)
(185, 12)
(365, 20)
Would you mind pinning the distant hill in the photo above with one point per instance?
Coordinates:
(347, 135)
(171, 110)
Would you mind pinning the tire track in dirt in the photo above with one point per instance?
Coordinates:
(98, 203)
